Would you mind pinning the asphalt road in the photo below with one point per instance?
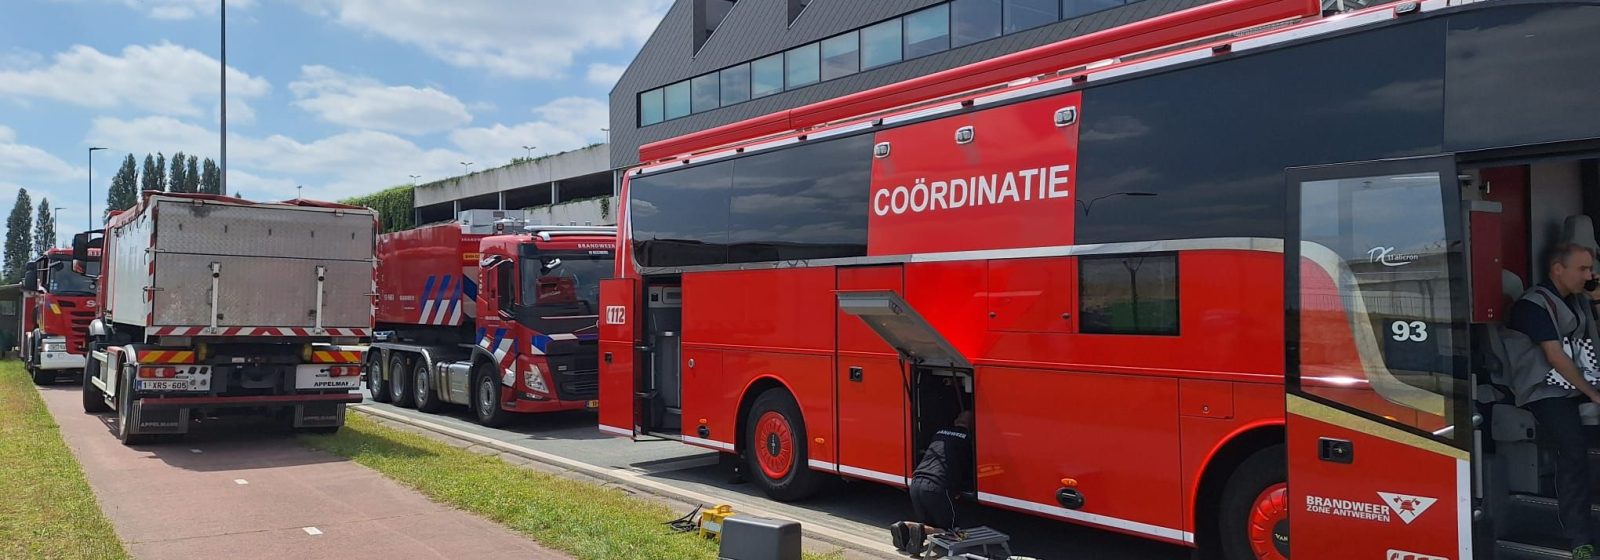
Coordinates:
(860, 508)
(244, 490)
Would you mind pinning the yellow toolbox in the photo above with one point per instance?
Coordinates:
(711, 521)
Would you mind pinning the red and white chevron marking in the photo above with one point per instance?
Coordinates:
(257, 331)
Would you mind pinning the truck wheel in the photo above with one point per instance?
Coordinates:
(43, 377)
(486, 397)
(1254, 513)
(375, 382)
(421, 388)
(94, 400)
(775, 448)
(125, 412)
(399, 382)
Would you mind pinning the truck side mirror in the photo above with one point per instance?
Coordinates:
(83, 242)
(30, 279)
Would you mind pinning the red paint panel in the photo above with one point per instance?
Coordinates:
(1020, 168)
(954, 298)
(618, 331)
(1255, 405)
(706, 396)
(1231, 320)
(872, 405)
(1036, 427)
(776, 308)
(1205, 399)
(1033, 295)
(1489, 303)
(1322, 494)
(1509, 187)
(407, 258)
(808, 377)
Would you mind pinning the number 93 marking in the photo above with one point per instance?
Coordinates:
(1414, 331)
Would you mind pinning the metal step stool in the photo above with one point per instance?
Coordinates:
(981, 542)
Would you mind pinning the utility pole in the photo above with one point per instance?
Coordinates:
(224, 155)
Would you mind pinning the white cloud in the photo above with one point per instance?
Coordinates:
(563, 124)
(518, 38)
(603, 74)
(360, 102)
(165, 79)
(21, 161)
(179, 9)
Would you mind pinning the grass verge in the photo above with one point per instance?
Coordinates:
(582, 519)
(48, 510)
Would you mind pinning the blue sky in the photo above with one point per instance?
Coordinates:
(343, 97)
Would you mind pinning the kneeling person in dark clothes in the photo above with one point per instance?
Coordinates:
(944, 473)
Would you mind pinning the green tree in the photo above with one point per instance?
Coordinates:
(124, 191)
(210, 178)
(191, 176)
(19, 238)
(175, 178)
(44, 229)
(161, 172)
(150, 176)
(394, 206)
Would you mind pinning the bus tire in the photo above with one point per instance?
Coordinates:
(399, 382)
(94, 400)
(376, 384)
(486, 396)
(422, 388)
(1253, 516)
(775, 448)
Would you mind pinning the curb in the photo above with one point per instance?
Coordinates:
(633, 480)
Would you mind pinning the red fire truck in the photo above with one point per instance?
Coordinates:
(500, 317)
(1201, 279)
(57, 306)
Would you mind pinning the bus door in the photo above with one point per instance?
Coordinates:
(1378, 460)
(619, 335)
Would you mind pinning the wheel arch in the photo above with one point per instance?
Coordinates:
(760, 384)
(1220, 462)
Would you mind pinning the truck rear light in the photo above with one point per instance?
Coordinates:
(344, 371)
(157, 372)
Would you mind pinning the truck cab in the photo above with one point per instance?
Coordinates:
(58, 303)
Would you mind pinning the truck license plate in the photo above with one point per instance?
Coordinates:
(165, 385)
(594, 404)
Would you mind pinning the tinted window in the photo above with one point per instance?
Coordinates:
(805, 202)
(927, 31)
(678, 100)
(650, 109)
(766, 76)
(681, 217)
(736, 84)
(1028, 14)
(706, 93)
(800, 65)
(880, 44)
(1539, 59)
(1074, 8)
(1347, 102)
(1128, 294)
(973, 20)
(841, 56)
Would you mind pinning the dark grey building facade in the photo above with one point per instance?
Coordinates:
(716, 62)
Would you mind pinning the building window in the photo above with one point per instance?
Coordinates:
(800, 66)
(795, 7)
(974, 20)
(766, 76)
(736, 84)
(677, 101)
(705, 93)
(1022, 15)
(880, 44)
(709, 14)
(927, 31)
(1128, 294)
(650, 110)
(841, 56)
(8, 308)
(1076, 8)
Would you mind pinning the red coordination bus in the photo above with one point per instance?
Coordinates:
(1198, 295)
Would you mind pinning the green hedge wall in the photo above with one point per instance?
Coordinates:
(394, 206)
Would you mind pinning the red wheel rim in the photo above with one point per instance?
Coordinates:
(1269, 523)
(774, 445)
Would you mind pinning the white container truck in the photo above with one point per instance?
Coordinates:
(215, 305)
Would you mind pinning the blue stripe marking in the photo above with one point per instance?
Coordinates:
(427, 290)
(444, 288)
(499, 334)
(455, 300)
(541, 342)
(472, 288)
(483, 336)
(587, 337)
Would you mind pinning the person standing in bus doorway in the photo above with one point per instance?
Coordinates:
(1554, 375)
(944, 473)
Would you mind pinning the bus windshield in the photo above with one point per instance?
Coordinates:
(564, 285)
(63, 280)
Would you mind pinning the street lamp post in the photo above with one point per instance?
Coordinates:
(297, 190)
(530, 151)
(465, 167)
(55, 218)
(414, 179)
(92, 150)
